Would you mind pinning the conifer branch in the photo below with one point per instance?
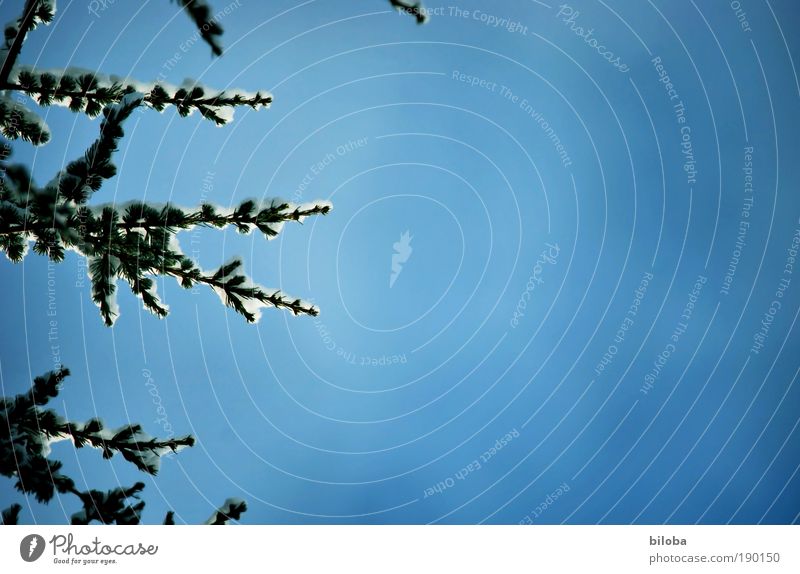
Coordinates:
(249, 215)
(18, 122)
(130, 441)
(232, 509)
(34, 13)
(110, 507)
(414, 9)
(85, 175)
(200, 13)
(89, 92)
(237, 291)
(27, 432)
(11, 515)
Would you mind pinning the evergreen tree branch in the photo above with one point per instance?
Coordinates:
(130, 441)
(200, 13)
(90, 92)
(237, 291)
(11, 515)
(34, 13)
(27, 431)
(110, 507)
(414, 9)
(232, 509)
(18, 122)
(85, 175)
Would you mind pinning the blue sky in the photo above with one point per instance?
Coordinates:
(542, 186)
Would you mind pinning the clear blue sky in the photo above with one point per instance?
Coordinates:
(542, 178)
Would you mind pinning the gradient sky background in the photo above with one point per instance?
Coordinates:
(353, 416)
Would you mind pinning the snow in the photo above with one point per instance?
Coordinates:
(28, 117)
(108, 80)
(253, 306)
(128, 100)
(225, 508)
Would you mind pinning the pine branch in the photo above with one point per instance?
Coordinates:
(248, 216)
(18, 122)
(34, 13)
(232, 509)
(26, 432)
(84, 176)
(11, 515)
(130, 441)
(110, 507)
(200, 13)
(89, 93)
(238, 291)
(414, 9)
(46, 387)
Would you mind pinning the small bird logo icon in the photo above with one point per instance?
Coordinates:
(402, 252)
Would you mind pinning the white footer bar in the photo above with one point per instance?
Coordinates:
(401, 549)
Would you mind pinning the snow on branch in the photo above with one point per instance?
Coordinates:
(238, 291)
(136, 241)
(85, 175)
(232, 509)
(27, 432)
(18, 122)
(86, 91)
(110, 507)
